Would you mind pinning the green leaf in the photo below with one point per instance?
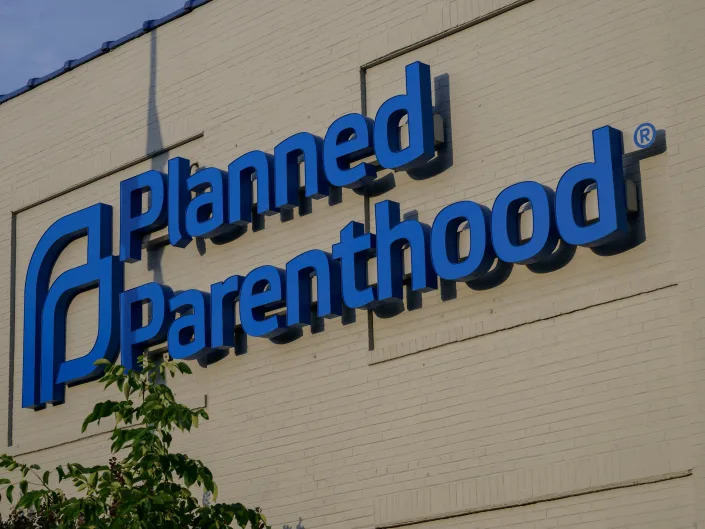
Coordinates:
(183, 368)
(146, 485)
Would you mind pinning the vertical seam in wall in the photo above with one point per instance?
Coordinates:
(366, 204)
(370, 313)
(363, 90)
(11, 361)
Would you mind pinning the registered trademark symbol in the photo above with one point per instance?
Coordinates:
(645, 135)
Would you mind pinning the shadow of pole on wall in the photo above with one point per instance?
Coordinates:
(155, 143)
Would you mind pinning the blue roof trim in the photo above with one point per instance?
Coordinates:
(106, 47)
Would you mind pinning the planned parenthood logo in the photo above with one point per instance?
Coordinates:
(271, 301)
(45, 370)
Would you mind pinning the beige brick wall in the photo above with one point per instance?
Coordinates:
(567, 399)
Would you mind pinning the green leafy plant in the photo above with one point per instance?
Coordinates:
(144, 485)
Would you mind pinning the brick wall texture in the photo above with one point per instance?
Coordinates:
(569, 399)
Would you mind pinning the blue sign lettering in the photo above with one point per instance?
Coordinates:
(272, 301)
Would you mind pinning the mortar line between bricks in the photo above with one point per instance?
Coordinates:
(111, 172)
(105, 433)
(510, 327)
(543, 499)
(443, 34)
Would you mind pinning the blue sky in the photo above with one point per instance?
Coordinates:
(38, 36)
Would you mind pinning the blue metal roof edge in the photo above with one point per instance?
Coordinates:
(106, 47)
